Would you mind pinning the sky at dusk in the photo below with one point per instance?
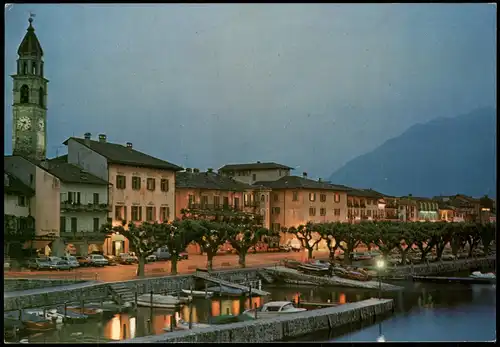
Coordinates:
(306, 85)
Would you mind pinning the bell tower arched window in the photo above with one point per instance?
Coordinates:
(25, 94)
(25, 68)
(33, 68)
(40, 96)
(41, 69)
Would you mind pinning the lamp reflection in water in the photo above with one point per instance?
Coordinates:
(380, 267)
(132, 323)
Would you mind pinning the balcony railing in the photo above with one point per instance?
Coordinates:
(214, 207)
(74, 206)
(83, 235)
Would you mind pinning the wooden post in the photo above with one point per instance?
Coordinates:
(191, 309)
(82, 306)
(172, 319)
(45, 313)
(135, 299)
(255, 307)
(65, 309)
(260, 284)
(124, 331)
(151, 303)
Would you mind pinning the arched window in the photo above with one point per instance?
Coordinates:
(25, 94)
(40, 96)
(33, 68)
(41, 69)
(25, 68)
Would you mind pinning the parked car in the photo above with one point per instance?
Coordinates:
(162, 254)
(39, 264)
(97, 260)
(150, 258)
(71, 261)
(83, 261)
(127, 259)
(60, 265)
(112, 260)
(6, 264)
(285, 248)
(183, 256)
(356, 256)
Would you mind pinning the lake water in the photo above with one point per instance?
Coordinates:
(424, 312)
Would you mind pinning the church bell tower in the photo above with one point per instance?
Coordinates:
(29, 99)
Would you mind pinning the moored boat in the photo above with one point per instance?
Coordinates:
(198, 293)
(90, 312)
(314, 270)
(160, 301)
(292, 264)
(273, 309)
(185, 325)
(226, 291)
(478, 274)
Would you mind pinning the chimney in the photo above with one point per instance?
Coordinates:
(129, 145)
(102, 138)
(210, 170)
(196, 170)
(304, 174)
(87, 138)
(319, 179)
(188, 169)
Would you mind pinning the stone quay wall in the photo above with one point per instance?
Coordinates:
(444, 267)
(101, 291)
(279, 328)
(16, 284)
(56, 296)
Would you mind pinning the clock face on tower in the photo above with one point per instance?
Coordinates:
(24, 123)
(41, 124)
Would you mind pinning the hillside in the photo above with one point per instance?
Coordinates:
(444, 156)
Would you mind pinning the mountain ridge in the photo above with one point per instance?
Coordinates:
(446, 155)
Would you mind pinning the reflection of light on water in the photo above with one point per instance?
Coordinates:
(226, 306)
(215, 308)
(132, 327)
(112, 329)
(342, 299)
(381, 338)
(236, 307)
(185, 314)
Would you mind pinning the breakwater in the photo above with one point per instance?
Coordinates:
(16, 284)
(279, 328)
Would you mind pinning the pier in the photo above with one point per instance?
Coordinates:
(292, 274)
(207, 277)
(279, 328)
(469, 280)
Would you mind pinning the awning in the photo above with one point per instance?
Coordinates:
(36, 244)
(118, 237)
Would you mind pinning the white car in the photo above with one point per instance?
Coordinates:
(71, 261)
(97, 260)
(151, 258)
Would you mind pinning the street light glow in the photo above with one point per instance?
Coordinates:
(380, 264)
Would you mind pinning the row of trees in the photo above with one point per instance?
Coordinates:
(243, 231)
(390, 236)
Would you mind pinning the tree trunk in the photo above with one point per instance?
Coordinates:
(439, 251)
(332, 255)
(140, 266)
(241, 259)
(455, 245)
(173, 265)
(210, 258)
(310, 252)
(347, 256)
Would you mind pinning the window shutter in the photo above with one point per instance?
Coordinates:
(125, 213)
(154, 213)
(78, 198)
(167, 213)
(139, 208)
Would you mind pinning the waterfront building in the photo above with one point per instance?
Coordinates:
(18, 220)
(141, 187)
(365, 204)
(44, 204)
(195, 190)
(446, 212)
(427, 209)
(467, 209)
(253, 172)
(297, 200)
(407, 209)
(84, 207)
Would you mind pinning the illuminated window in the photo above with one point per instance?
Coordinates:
(312, 196)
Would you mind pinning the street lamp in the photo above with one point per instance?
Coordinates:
(380, 267)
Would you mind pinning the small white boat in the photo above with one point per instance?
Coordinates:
(160, 301)
(185, 325)
(274, 309)
(478, 274)
(198, 293)
(51, 315)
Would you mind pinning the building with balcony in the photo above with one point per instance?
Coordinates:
(18, 219)
(467, 209)
(44, 205)
(365, 204)
(84, 207)
(446, 212)
(407, 209)
(141, 187)
(201, 192)
(254, 172)
(297, 200)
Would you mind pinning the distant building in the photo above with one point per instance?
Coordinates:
(297, 200)
(428, 210)
(365, 204)
(467, 209)
(255, 172)
(407, 209)
(142, 187)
